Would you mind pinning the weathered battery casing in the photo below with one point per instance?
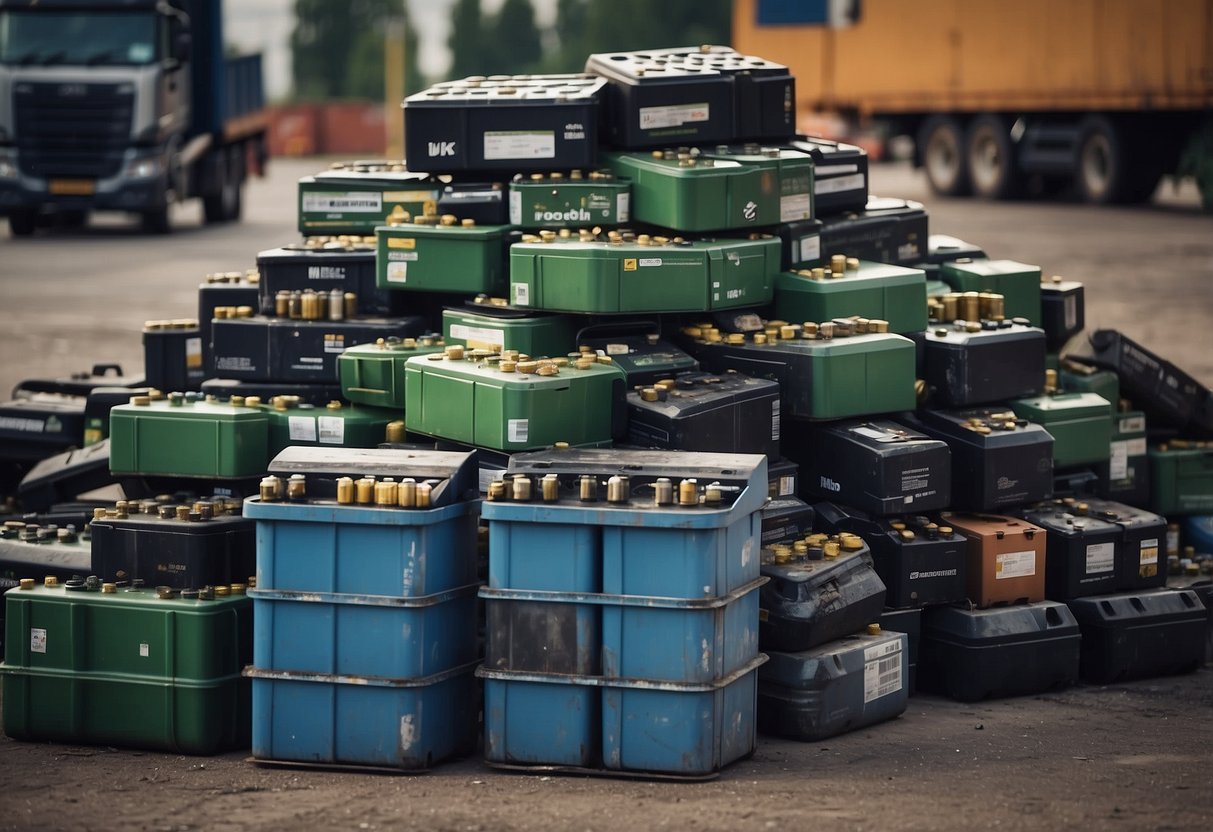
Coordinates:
(373, 374)
(1002, 360)
(998, 460)
(478, 403)
(1018, 283)
(1126, 474)
(173, 354)
(840, 174)
(801, 244)
(81, 383)
(353, 198)
(441, 258)
(644, 358)
(161, 674)
(230, 289)
(504, 123)
(1141, 550)
(37, 425)
(334, 424)
(727, 413)
(908, 621)
(573, 201)
(1080, 424)
(284, 350)
(1063, 311)
(184, 436)
(65, 476)
(786, 518)
(1081, 552)
(871, 290)
(885, 230)
(345, 266)
(784, 478)
(484, 203)
(23, 553)
(1141, 634)
(1181, 477)
(1006, 562)
(488, 327)
(687, 276)
(878, 466)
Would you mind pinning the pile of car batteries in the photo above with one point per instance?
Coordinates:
(647, 255)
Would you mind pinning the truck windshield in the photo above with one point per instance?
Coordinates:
(45, 38)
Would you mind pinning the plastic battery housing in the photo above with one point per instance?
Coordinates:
(872, 290)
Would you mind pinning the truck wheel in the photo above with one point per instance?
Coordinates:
(991, 158)
(225, 204)
(22, 223)
(1103, 172)
(156, 221)
(941, 150)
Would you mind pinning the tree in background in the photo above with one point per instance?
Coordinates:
(506, 43)
(466, 40)
(337, 48)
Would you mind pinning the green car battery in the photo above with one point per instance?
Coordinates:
(935, 288)
(484, 325)
(1126, 475)
(885, 230)
(801, 244)
(1018, 283)
(642, 274)
(126, 665)
(1181, 477)
(337, 425)
(840, 174)
(504, 123)
(224, 388)
(482, 202)
(341, 269)
(689, 191)
(504, 403)
(638, 349)
(353, 198)
(183, 435)
(556, 200)
(173, 355)
(1074, 377)
(870, 290)
(1063, 310)
(430, 256)
(1081, 425)
(373, 374)
(793, 169)
(824, 371)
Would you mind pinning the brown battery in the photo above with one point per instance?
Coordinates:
(1006, 558)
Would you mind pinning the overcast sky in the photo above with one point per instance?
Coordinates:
(265, 26)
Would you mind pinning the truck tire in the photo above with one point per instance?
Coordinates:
(1103, 171)
(226, 204)
(941, 143)
(22, 223)
(990, 154)
(156, 221)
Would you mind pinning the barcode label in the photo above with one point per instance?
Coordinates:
(301, 428)
(881, 671)
(517, 430)
(775, 420)
(332, 430)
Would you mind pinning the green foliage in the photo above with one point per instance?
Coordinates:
(505, 43)
(337, 48)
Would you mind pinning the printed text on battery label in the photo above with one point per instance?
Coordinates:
(1015, 565)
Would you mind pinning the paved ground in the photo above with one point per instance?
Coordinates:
(1130, 756)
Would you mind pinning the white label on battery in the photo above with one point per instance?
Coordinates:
(515, 207)
(623, 207)
(787, 486)
(397, 272)
(878, 435)
(810, 248)
(1014, 565)
(1071, 311)
(478, 338)
(37, 640)
(775, 420)
(1118, 463)
(794, 207)
(522, 293)
(881, 670)
(1172, 541)
(617, 349)
(520, 144)
(655, 118)
(350, 203)
(332, 430)
(649, 261)
(837, 170)
(1149, 551)
(144, 650)
(333, 342)
(834, 184)
(1132, 424)
(1137, 447)
(517, 430)
(193, 353)
(1101, 557)
(301, 428)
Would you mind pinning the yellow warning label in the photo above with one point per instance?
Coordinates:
(629, 264)
(402, 242)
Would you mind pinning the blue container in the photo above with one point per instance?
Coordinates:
(541, 722)
(364, 635)
(355, 720)
(547, 556)
(364, 550)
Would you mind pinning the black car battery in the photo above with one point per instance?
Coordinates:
(317, 394)
(226, 289)
(840, 174)
(519, 123)
(1168, 395)
(173, 355)
(970, 655)
(1080, 553)
(183, 546)
(1140, 634)
(821, 588)
(693, 96)
(82, 383)
(336, 267)
(802, 248)
(1062, 310)
(920, 560)
(483, 202)
(943, 248)
(725, 413)
(1141, 561)
(638, 349)
(884, 231)
(998, 460)
(65, 476)
(968, 363)
(284, 350)
(1126, 474)
(97, 407)
(876, 465)
(783, 478)
(908, 621)
(34, 426)
(786, 518)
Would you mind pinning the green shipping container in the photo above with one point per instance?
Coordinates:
(442, 258)
(127, 668)
(873, 290)
(185, 436)
(604, 277)
(373, 374)
(1081, 425)
(557, 201)
(356, 199)
(1181, 477)
(335, 426)
(533, 334)
(481, 404)
(1018, 283)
